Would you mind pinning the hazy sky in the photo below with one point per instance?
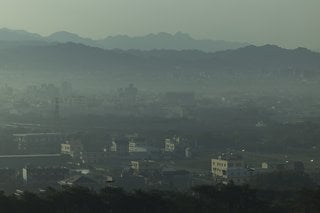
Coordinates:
(289, 23)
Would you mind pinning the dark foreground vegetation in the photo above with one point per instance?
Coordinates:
(199, 199)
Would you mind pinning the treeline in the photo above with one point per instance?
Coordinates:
(200, 199)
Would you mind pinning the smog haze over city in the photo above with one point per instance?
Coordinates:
(159, 106)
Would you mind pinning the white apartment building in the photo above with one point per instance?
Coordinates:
(229, 168)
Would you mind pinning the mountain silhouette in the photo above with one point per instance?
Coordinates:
(178, 41)
(18, 35)
(72, 57)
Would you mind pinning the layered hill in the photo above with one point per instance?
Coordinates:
(73, 57)
(175, 69)
(178, 41)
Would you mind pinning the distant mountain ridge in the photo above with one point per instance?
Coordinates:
(270, 56)
(178, 41)
(18, 35)
(162, 69)
(79, 57)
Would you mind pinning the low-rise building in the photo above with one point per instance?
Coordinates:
(170, 144)
(120, 146)
(72, 148)
(229, 168)
(132, 146)
(144, 167)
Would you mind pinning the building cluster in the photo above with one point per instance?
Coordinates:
(127, 161)
(55, 159)
(40, 158)
(231, 167)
